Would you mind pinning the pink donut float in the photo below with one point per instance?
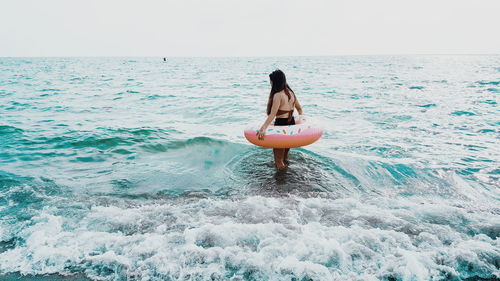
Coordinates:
(301, 134)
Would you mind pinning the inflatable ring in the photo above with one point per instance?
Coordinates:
(289, 136)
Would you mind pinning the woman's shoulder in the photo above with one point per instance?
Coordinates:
(281, 93)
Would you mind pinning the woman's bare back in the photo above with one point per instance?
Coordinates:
(285, 103)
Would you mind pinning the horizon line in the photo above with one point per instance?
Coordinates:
(256, 56)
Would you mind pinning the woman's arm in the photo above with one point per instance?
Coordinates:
(298, 106)
(270, 117)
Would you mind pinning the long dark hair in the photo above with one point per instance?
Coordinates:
(279, 84)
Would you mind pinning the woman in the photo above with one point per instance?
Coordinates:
(281, 103)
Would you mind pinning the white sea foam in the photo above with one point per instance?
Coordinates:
(262, 238)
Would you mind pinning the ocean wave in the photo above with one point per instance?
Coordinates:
(463, 113)
(102, 138)
(215, 167)
(427, 105)
(6, 130)
(21, 197)
(177, 144)
(484, 83)
(263, 238)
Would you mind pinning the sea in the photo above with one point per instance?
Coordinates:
(136, 168)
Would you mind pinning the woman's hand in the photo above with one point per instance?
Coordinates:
(261, 134)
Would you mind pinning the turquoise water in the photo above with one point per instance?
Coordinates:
(137, 169)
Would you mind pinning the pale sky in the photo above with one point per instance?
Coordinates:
(247, 28)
